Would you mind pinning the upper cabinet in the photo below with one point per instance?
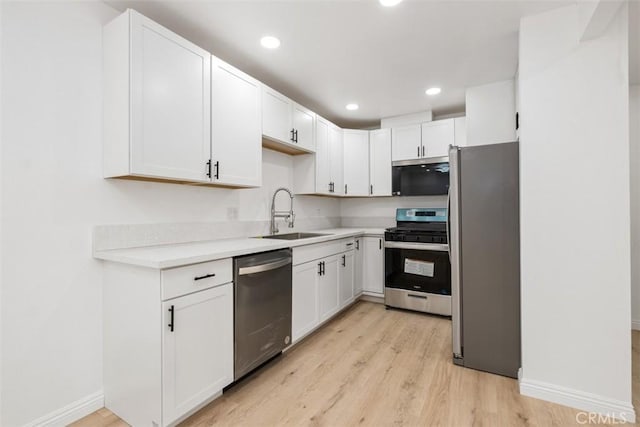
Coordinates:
(380, 162)
(321, 173)
(236, 116)
(157, 102)
(356, 162)
(426, 140)
(491, 113)
(437, 136)
(406, 142)
(304, 121)
(173, 112)
(287, 126)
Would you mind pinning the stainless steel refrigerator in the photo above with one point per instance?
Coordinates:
(484, 244)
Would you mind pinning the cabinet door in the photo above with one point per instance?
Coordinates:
(304, 312)
(170, 104)
(358, 264)
(406, 142)
(328, 288)
(346, 277)
(276, 116)
(336, 162)
(197, 353)
(323, 167)
(356, 162)
(304, 126)
(380, 162)
(460, 131)
(373, 265)
(437, 136)
(236, 117)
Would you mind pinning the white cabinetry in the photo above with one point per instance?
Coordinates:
(304, 316)
(323, 283)
(356, 162)
(460, 126)
(287, 123)
(373, 280)
(430, 139)
(304, 126)
(197, 349)
(346, 278)
(437, 136)
(336, 160)
(358, 266)
(328, 288)
(236, 116)
(168, 339)
(321, 173)
(491, 113)
(406, 142)
(156, 102)
(380, 162)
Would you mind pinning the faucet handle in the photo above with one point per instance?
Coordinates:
(290, 220)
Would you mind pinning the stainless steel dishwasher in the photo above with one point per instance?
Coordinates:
(262, 302)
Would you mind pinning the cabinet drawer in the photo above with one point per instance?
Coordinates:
(184, 280)
(308, 253)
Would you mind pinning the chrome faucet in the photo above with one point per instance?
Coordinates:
(288, 216)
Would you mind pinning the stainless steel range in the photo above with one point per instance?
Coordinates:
(417, 267)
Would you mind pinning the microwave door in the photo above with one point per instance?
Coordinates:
(420, 179)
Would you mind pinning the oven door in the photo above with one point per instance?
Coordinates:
(418, 267)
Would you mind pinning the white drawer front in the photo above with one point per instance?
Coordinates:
(185, 280)
(302, 254)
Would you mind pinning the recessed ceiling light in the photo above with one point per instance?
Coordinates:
(352, 107)
(389, 3)
(433, 91)
(270, 42)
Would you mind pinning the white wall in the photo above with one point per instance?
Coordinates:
(634, 163)
(490, 111)
(575, 213)
(385, 207)
(53, 194)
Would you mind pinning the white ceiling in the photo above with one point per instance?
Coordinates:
(336, 52)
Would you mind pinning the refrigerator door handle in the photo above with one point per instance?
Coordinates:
(453, 229)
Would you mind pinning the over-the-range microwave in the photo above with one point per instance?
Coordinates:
(420, 177)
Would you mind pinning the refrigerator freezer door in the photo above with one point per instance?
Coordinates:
(490, 257)
(454, 251)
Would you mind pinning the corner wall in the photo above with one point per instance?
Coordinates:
(575, 213)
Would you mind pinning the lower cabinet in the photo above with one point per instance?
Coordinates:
(304, 313)
(197, 349)
(321, 288)
(358, 266)
(346, 278)
(328, 288)
(168, 339)
(373, 277)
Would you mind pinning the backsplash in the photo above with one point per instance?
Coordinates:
(120, 236)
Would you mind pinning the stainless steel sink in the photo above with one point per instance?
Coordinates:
(292, 236)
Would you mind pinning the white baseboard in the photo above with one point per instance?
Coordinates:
(578, 399)
(635, 325)
(72, 412)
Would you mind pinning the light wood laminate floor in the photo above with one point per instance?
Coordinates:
(376, 367)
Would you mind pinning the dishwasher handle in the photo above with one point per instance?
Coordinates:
(260, 268)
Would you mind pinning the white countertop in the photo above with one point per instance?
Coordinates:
(168, 256)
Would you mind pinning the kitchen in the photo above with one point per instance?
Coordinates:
(65, 320)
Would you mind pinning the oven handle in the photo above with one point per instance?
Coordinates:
(417, 246)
